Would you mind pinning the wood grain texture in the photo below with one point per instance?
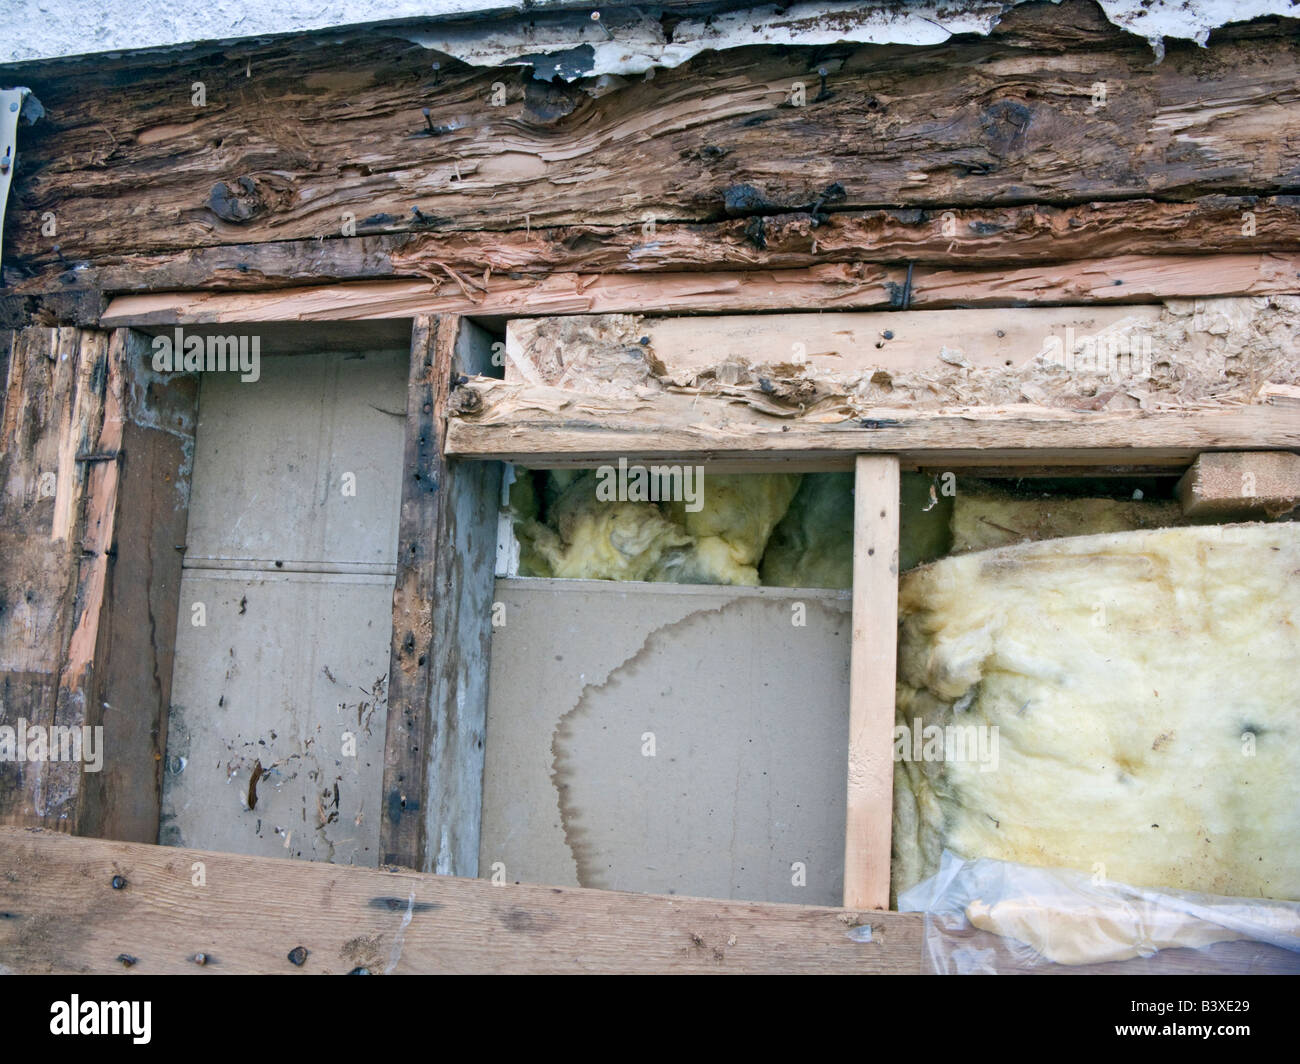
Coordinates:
(980, 236)
(544, 427)
(297, 134)
(462, 644)
(870, 809)
(411, 670)
(442, 609)
(247, 914)
(63, 915)
(136, 636)
(849, 286)
(52, 581)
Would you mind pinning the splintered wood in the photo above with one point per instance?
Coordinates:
(1152, 384)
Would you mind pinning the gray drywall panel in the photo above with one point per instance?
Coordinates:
(749, 717)
(303, 465)
(285, 621)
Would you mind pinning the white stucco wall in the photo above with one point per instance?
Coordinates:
(490, 32)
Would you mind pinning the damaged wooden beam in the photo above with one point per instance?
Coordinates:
(52, 581)
(549, 427)
(442, 612)
(1001, 120)
(1018, 235)
(847, 286)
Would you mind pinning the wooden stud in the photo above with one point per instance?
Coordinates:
(871, 683)
(442, 611)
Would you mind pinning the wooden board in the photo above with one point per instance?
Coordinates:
(297, 134)
(841, 286)
(966, 236)
(870, 808)
(549, 427)
(139, 599)
(247, 914)
(52, 581)
(437, 696)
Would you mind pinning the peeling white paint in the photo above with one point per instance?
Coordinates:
(503, 32)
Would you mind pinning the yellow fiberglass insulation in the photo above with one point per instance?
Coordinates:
(1143, 688)
(731, 528)
(589, 538)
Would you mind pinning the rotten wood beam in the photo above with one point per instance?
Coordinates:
(1016, 235)
(848, 286)
(550, 427)
(1002, 120)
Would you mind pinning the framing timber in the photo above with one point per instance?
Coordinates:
(844, 286)
(870, 808)
(549, 427)
(1003, 120)
(254, 911)
(932, 236)
(442, 607)
(153, 421)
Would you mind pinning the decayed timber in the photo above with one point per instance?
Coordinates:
(550, 427)
(442, 610)
(832, 365)
(136, 628)
(53, 416)
(287, 147)
(410, 678)
(849, 286)
(931, 236)
(248, 914)
(870, 802)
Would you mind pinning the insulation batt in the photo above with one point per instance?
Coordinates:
(1143, 685)
(587, 538)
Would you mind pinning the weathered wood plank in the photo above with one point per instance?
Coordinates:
(870, 808)
(135, 644)
(54, 413)
(249, 913)
(930, 236)
(551, 427)
(851, 286)
(442, 607)
(462, 625)
(411, 670)
(286, 147)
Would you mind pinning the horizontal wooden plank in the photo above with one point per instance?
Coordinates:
(61, 912)
(1016, 235)
(849, 286)
(294, 136)
(246, 914)
(542, 426)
